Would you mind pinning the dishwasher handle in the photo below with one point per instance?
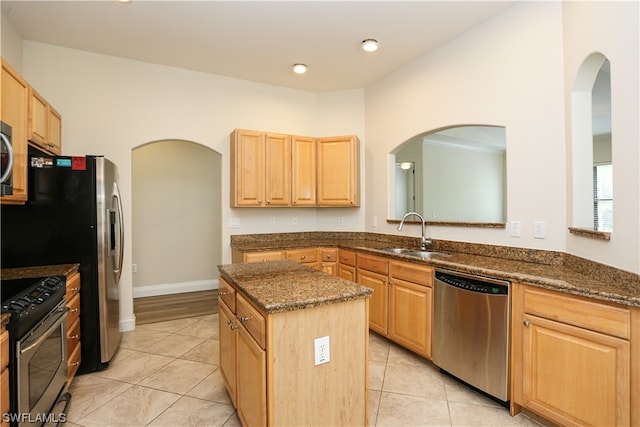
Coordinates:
(490, 287)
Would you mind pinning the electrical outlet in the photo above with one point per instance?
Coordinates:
(134, 268)
(294, 220)
(322, 352)
(374, 221)
(234, 223)
(340, 220)
(272, 221)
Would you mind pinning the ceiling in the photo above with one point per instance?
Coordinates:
(256, 40)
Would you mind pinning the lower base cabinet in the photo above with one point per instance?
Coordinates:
(574, 359)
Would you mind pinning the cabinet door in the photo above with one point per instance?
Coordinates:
(252, 381)
(228, 336)
(14, 112)
(247, 168)
(410, 315)
(338, 171)
(379, 301)
(574, 376)
(278, 169)
(38, 118)
(347, 272)
(303, 169)
(55, 131)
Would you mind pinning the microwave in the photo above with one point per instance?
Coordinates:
(6, 160)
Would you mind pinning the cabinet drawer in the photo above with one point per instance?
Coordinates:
(347, 258)
(329, 255)
(303, 255)
(73, 363)
(74, 311)
(73, 286)
(73, 336)
(413, 273)
(263, 256)
(578, 311)
(4, 393)
(4, 349)
(373, 263)
(251, 319)
(227, 294)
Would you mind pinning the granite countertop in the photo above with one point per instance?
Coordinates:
(278, 286)
(547, 273)
(37, 271)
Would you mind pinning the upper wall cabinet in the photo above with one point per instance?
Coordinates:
(260, 169)
(338, 171)
(269, 169)
(14, 112)
(45, 124)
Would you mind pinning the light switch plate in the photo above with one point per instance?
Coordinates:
(516, 228)
(539, 229)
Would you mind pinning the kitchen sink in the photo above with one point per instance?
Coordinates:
(414, 252)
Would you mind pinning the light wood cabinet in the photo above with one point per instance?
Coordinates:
(264, 256)
(373, 272)
(4, 375)
(307, 256)
(572, 358)
(338, 171)
(401, 305)
(72, 296)
(329, 261)
(271, 169)
(410, 306)
(14, 112)
(303, 170)
(260, 169)
(45, 124)
(228, 364)
(347, 265)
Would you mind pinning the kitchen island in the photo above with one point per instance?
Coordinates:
(274, 368)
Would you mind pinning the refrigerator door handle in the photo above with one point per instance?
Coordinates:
(119, 250)
(7, 173)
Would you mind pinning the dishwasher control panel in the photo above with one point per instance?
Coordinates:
(472, 284)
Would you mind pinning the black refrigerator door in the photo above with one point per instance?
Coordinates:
(58, 226)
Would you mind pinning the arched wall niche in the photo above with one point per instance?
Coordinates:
(591, 142)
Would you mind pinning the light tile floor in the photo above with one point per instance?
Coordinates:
(166, 374)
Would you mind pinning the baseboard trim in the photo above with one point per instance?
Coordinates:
(128, 324)
(174, 288)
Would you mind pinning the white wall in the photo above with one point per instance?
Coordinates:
(610, 28)
(506, 72)
(111, 106)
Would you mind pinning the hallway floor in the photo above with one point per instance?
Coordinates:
(166, 374)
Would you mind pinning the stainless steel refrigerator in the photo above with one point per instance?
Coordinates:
(74, 215)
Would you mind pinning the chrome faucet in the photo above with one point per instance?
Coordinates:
(424, 241)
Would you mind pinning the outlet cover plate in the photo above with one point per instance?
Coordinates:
(322, 352)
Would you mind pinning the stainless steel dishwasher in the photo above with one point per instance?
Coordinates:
(471, 330)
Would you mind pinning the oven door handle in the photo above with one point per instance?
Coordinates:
(45, 335)
(6, 142)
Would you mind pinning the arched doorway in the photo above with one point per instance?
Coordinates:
(176, 229)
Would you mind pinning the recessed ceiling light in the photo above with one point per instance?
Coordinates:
(369, 45)
(299, 68)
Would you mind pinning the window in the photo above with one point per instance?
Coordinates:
(603, 197)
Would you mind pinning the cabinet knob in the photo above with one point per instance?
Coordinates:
(75, 364)
(302, 257)
(384, 280)
(75, 310)
(259, 200)
(229, 322)
(75, 337)
(390, 282)
(526, 323)
(234, 327)
(244, 319)
(268, 201)
(223, 293)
